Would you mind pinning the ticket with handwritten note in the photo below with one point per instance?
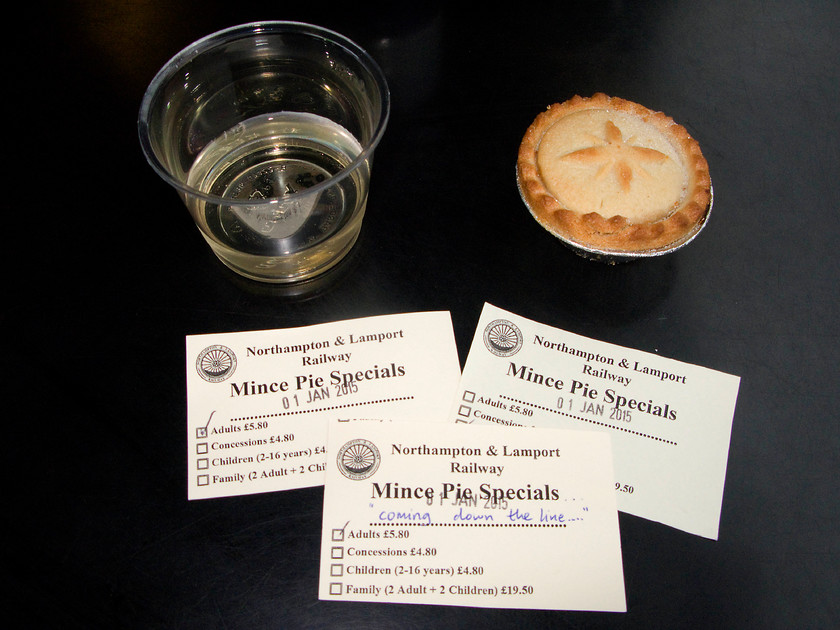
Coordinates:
(670, 422)
(460, 515)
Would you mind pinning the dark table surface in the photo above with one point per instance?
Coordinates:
(107, 275)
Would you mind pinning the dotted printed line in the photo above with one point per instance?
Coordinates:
(345, 406)
(601, 424)
(468, 524)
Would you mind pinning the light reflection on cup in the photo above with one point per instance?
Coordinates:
(267, 132)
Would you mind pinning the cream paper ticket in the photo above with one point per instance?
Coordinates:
(258, 402)
(481, 516)
(670, 421)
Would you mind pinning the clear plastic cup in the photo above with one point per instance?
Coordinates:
(267, 132)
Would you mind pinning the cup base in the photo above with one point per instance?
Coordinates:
(281, 270)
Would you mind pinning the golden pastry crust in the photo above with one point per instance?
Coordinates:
(615, 177)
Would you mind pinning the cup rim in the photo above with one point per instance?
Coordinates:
(177, 61)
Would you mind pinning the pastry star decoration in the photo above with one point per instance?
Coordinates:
(618, 156)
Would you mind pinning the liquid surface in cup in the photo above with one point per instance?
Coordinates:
(275, 156)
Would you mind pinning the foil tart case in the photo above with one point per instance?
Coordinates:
(613, 256)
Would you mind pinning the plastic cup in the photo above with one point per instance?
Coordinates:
(267, 132)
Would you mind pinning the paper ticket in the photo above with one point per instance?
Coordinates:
(258, 402)
(460, 515)
(670, 422)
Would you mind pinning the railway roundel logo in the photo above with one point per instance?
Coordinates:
(503, 338)
(358, 459)
(215, 363)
